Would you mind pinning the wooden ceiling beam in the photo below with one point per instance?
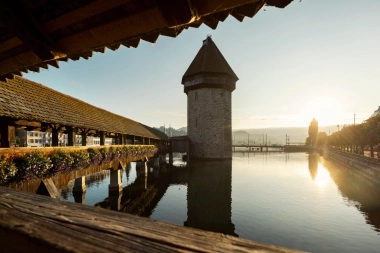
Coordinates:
(177, 12)
(21, 23)
(26, 123)
(212, 6)
(9, 44)
(19, 61)
(82, 13)
(114, 32)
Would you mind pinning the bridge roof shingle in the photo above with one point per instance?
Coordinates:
(23, 99)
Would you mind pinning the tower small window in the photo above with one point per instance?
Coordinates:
(196, 95)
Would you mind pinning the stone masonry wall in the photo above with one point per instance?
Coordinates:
(209, 123)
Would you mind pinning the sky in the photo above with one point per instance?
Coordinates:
(313, 59)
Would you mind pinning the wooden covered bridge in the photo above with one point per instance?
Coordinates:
(38, 34)
(25, 104)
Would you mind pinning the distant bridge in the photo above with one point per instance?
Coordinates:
(289, 147)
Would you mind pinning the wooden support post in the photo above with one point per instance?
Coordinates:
(7, 135)
(54, 137)
(48, 188)
(115, 185)
(79, 190)
(115, 200)
(79, 185)
(84, 138)
(79, 197)
(102, 138)
(71, 132)
(170, 153)
(156, 162)
(122, 139)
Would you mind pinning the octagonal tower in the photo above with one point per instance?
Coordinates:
(208, 83)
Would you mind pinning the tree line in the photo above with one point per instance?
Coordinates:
(353, 138)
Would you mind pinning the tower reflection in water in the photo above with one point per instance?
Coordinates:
(209, 198)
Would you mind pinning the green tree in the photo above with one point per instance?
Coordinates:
(322, 138)
(313, 131)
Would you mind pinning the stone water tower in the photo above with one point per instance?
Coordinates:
(208, 83)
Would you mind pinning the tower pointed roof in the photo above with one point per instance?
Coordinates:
(209, 60)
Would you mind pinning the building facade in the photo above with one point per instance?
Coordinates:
(208, 83)
(44, 139)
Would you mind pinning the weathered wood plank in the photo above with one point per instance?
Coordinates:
(43, 223)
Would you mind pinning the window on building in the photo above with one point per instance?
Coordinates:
(31, 141)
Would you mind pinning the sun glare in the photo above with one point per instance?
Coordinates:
(322, 178)
(325, 110)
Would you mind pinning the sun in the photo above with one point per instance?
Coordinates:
(325, 110)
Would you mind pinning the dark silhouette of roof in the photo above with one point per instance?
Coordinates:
(209, 60)
(23, 99)
(37, 34)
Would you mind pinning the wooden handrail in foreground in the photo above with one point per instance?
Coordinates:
(34, 223)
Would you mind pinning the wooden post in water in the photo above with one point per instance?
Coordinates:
(79, 190)
(170, 153)
(115, 185)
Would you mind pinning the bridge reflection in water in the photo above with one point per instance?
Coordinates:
(209, 189)
(209, 198)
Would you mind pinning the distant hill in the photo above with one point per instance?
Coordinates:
(275, 135)
(169, 131)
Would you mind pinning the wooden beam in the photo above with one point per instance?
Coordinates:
(22, 122)
(29, 223)
(212, 6)
(82, 13)
(110, 33)
(10, 43)
(20, 22)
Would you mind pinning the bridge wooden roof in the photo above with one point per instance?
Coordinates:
(36, 34)
(22, 99)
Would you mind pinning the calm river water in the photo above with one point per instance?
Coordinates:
(295, 200)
